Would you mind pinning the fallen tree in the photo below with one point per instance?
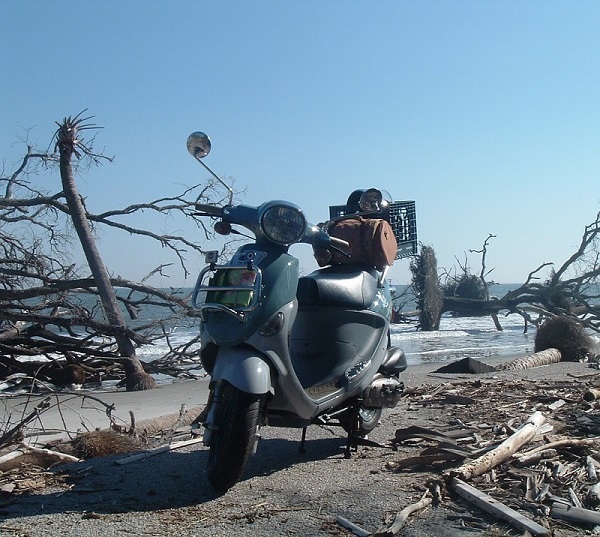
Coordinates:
(52, 311)
(572, 290)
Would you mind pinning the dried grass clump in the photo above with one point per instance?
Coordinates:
(102, 443)
(565, 334)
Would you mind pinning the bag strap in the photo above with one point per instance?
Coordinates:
(363, 245)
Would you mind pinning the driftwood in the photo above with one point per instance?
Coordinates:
(590, 466)
(537, 359)
(497, 509)
(535, 456)
(577, 515)
(562, 467)
(472, 366)
(120, 439)
(502, 452)
(423, 460)
(563, 443)
(164, 423)
(43, 458)
(591, 394)
(401, 518)
(8, 437)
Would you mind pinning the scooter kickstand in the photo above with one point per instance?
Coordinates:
(303, 441)
(352, 436)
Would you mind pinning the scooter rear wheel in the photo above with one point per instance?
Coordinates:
(234, 435)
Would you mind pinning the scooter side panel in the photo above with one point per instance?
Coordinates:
(334, 348)
(244, 368)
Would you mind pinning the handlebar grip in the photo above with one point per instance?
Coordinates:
(212, 210)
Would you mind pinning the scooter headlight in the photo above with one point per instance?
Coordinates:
(283, 224)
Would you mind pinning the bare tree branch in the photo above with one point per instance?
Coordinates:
(50, 308)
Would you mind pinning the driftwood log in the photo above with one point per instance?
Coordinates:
(537, 359)
(578, 515)
(44, 458)
(501, 453)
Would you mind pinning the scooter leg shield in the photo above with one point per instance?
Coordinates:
(244, 369)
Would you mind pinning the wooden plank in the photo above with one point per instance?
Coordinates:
(497, 509)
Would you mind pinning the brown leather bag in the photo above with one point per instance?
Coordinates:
(371, 241)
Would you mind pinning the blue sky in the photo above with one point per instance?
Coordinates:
(487, 114)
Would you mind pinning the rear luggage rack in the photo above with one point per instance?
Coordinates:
(401, 215)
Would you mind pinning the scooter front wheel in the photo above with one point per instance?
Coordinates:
(234, 435)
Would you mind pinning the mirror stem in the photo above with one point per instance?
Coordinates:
(229, 189)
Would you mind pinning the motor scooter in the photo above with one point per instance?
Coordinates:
(286, 350)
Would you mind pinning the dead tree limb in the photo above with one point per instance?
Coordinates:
(557, 444)
(401, 518)
(484, 272)
(502, 452)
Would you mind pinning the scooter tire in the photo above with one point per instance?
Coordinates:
(234, 436)
(368, 419)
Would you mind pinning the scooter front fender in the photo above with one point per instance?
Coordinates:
(244, 368)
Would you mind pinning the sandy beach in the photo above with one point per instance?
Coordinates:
(283, 491)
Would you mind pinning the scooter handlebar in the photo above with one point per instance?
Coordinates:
(210, 210)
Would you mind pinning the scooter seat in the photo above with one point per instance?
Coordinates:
(346, 286)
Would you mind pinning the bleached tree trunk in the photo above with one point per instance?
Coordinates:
(537, 359)
(68, 145)
(500, 453)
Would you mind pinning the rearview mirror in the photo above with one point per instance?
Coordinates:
(198, 144)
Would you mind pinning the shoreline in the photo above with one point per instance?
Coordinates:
(72, 412)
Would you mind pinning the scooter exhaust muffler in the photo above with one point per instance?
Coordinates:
(383, 392)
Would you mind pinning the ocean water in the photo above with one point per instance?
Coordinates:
(458, 337)
(466, 337)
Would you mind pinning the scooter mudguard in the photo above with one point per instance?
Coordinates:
(244, 368)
